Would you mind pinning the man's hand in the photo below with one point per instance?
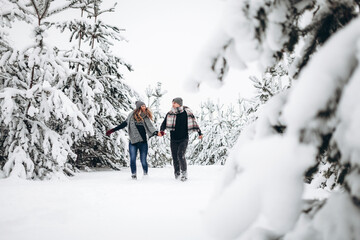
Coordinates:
(200, 137)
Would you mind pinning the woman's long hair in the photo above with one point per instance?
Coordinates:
(137, 114)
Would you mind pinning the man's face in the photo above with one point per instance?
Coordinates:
(175, 105)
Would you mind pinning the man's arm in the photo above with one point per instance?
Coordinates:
(163, 125)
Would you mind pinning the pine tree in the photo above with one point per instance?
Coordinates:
(40, 122)
(96, 85)
(215, 124)
(274, 80)
(318, 119)
(222, 126)
(159, 152)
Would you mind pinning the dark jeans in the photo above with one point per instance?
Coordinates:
(178, 150)
(133, 149)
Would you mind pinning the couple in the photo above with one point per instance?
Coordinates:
(179, 121)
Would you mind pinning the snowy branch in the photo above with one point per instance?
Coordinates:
(62, 8)
(25, 8)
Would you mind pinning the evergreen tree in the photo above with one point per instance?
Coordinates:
(222, 126)
(96, 85)
(274, 80)
(218, 126)
(274, 29)
(316, 119)
(159, 152)
(9, 13)
(40, 122)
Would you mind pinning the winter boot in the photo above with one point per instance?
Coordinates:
(177, 176)
(133, 176)
(183, 176)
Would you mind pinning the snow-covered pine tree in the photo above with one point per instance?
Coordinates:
(159, 154)
(40, 122)
(8, 14)
(96, 85)
(218, 125)
(263, 183)
(274, 80)
(270, 33)
(222, 126)
(207, 110)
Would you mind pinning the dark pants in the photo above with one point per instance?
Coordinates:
(178, 150)
(133, 149)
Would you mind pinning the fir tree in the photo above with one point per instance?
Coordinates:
(159, 152)
(41, 122)
(96, 85)
(274, 80)
(222, 126)
(318, 120)
(214, 146)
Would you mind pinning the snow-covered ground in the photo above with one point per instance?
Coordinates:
(108, 205)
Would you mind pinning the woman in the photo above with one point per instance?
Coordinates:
(140, 128)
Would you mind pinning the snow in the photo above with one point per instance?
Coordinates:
(337, 219)
(108, 205)
(261, 194)
(270, 193)
(322, 78)
(18, 161)
(348, 131)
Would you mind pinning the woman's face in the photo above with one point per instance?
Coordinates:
(175, 105)
(143, 108)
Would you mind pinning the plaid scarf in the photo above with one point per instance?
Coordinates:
(171, 119)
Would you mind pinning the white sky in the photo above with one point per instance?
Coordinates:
(165, 38)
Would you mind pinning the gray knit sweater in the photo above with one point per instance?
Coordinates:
(134, 134)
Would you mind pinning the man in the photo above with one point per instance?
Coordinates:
(179, 121)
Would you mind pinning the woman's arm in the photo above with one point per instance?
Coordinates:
(121, 126)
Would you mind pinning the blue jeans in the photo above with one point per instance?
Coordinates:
(133, 149)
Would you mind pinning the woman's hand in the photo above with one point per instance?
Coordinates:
(109, 132)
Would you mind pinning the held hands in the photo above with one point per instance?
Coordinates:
(162, 133)
(109, 132)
